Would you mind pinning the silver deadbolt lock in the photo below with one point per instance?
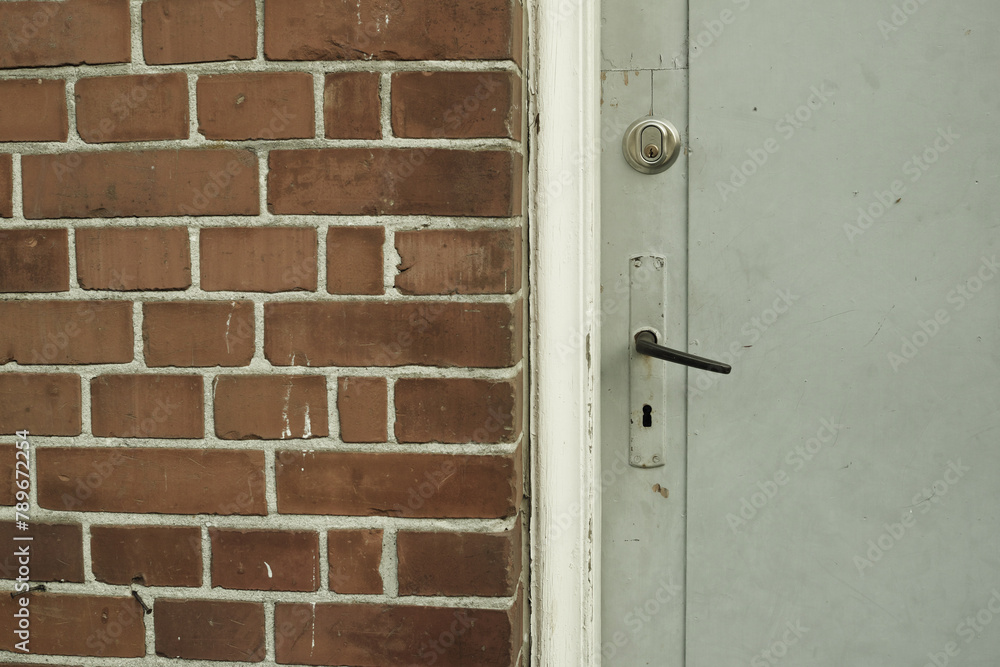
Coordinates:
(651, 145)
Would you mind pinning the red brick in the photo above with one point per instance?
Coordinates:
(362, 406)
(405, 485)
(198, 333)
(151, 481)
(265, 560)
(151, 555)
(369, 333)
(146, 107)
(354, 260)
(458, 410)
(116, 258)
(463, 105)
(7, 488)
(197, 31)
(389, 30)
(270, 407)
(66, 332)
(261, 259)
(482, 564)
(459, 261)
(34, 260)
(100, 626)
(210, 630)
(256, 105)
(42, 34)
(352, 108)
(56, 551)
(6, 182)
(354, 558)
(42, 403)
(140, 184)
(358, 634)
(394, 181)
(33, 110)
(148, 406)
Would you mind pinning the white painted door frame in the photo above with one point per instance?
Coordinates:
(564, 191)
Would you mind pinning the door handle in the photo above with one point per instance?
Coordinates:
(645, 343)
(647, 399)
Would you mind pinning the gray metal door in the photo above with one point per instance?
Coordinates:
(833, 501)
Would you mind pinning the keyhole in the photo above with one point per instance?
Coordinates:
(652, 151)
(647, 416)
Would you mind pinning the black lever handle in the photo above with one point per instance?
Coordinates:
(645, 343)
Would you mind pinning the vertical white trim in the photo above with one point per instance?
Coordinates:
(564, 119)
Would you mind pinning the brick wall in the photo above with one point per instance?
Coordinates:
(262, 314)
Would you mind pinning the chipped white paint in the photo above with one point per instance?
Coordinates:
(270, 575)
(312, 646)
(565, 187)
(307, 429)
(287, 431)
(229, 321)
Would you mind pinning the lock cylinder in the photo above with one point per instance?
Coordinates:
(651, 145)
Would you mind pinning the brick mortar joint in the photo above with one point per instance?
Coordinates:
(500, 603)
(307, 522)
(264, 66)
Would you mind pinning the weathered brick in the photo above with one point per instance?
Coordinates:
(151, 481)
(198, 333)
(354, 260)
(437, 563)
(151, 555)
(352, 108)
(354, 558)
(66, 332)
(33, 110)
(406, 485)
(389, 30)
(394, 181)
(148, 406)
(209, 629)
(369, 333)
(258, 259)
(42, 403)
(270, 407)
(459, 261)
(197, 31)
(133, 258)
(256, 105)
(42, 34)
(6, 183)
(356, 634)
(265, 560)
(147, 107)
(463, 105)
(458, 410)
(90, 625)
(56, 551)
(362, 406)
(7, 487)
(140, 184)
(34, 260)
